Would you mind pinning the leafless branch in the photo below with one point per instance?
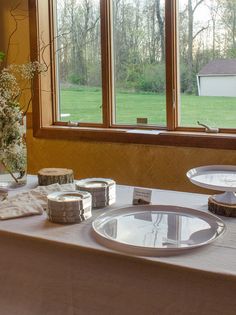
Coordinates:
(201, 30)
(92, 26)
(30, 99)
(197, 5)
(9, 171)
(44, 46)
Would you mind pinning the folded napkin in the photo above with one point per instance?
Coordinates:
(31, 202)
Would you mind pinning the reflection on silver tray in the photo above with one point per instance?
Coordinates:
(156, 230)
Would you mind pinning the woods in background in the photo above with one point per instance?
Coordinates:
(207, 31)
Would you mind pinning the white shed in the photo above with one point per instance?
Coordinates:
(218, 78)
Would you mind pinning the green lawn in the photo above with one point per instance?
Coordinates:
(84, 104)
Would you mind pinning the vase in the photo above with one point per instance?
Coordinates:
(13, 153)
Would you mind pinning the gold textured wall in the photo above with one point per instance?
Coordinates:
(131, 164)
(19, 49)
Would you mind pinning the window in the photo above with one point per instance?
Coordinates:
(137, 56)
(120, 67)
(139, 62)
(78, 53)
(207, 61)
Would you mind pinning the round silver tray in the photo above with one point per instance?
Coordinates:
(156, 230)
(217, 177)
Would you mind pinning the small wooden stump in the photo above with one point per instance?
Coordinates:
(221, 209)
(48, 176)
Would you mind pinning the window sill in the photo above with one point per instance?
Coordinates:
(162, 138)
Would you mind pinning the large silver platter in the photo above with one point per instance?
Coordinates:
(156, 230)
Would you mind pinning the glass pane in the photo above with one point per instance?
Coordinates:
(207, 54)
(79, 60)
(139, 62)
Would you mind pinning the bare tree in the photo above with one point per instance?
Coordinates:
(160, 22)
(192, 7)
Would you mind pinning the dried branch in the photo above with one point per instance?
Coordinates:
(45, 46)
(201, 30)
(197, 5)
(7, 169)
(29, 101)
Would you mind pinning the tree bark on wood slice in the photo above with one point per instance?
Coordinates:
(221, 209)
(48, 176)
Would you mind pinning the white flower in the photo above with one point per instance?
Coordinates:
(13, 80)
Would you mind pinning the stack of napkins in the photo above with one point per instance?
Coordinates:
(69, 206)
(31, 202)
(103, 190)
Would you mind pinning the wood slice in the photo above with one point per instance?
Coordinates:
(221, 209)
(48, 176)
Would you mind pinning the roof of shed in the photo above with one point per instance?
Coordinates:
(219, 67)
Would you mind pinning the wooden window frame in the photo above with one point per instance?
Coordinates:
(44, 103)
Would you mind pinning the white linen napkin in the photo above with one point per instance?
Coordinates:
(31, 202)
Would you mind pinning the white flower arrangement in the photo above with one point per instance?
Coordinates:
(13, 80)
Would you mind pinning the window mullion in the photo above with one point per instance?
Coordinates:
(107, 68)
(171, 65)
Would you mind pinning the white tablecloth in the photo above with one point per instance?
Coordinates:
(46, 268)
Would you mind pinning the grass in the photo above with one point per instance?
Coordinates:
(85, 105)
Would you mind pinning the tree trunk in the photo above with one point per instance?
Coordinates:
(160, 22)
(190, 47)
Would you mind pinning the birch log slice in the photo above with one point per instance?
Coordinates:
(221, 209)
(48, 176)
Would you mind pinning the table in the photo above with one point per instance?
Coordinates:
(52, 269)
